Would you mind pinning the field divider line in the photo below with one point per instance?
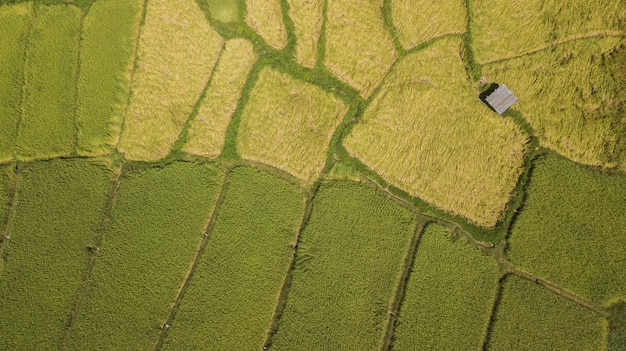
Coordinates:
(561, 292)
(77, 83)
(386, 11)
(208, 228)
(10, 215)
(398, 297)
(131, 72)
(82, 290)
(492, 317)
(571, 38)
(286, 283)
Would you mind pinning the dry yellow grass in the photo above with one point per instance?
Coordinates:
(505, 28)
(573, 98)
(176, 54)
(427, 133)
(208, 129)
(266, 18)
(359, 49)
(422, 20)
(288, 124)
(307, 17)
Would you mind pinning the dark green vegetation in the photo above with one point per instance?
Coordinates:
(571, 229)
(47, 126)
(156, 226)
(530, 317)
(7, 179)
(108, 40)
(14, 27)
(234, 290)
(451, 287)
(59, 208)
(350, 260)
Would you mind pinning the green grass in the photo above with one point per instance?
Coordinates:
(502, 29)
(47, 127)
(350, 259)
(530, 317)
(427, 133)
(571, 229)
(108, 40)
(176, 53)
(226, 11)
(60, 205)
(449, 296)
(573, 97)
(288, 124)
(155, 228)
(15, 22)
(234, 290)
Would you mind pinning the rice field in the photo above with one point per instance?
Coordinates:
(434, 19)
(232, 295)
(359, 49)
(307, 17)
(107, 50)
(7, 179)
(530, 317)
(154, 231)
(266, 18)
(59, 208)
(570, 231)
(177, 52)
(535, 25)
(15, 23)
(449, 295)
(573, 98)
(207, 131)
(459, 156)
(307, 116)
(340, 301)
(47, 127)
(226, 11)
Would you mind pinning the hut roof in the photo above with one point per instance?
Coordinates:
(501, 99)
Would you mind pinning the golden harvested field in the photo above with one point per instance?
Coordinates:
(573, 98)
(266, 18)
(208, 129)
(428, 134)
(359, 49)
(176, 54)
(307, 17)
(434, 18)
(288, 124)
(531, 25)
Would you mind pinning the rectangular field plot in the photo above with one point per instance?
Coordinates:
(307, 17)
(350, 259)
(15, 23)
(107, 49)
(207, 131)
(155, 228)
(234, 290)
(530, 317)
(573, 97)
(60, 205)
(47, 128)
(503, 29)
(176, 53)
(571, 229)
(449, 295)
(266, 18)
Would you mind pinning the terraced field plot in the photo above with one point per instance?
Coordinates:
(295, 175)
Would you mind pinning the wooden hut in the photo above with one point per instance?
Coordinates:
(501, 99)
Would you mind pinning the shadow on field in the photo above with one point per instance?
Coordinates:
(483, 96)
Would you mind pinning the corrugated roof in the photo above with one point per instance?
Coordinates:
(501, 99)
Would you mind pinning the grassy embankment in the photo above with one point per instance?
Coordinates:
(340, 301)
(59, 207)
(176, 54)
(107, 51)
(232, 295)
(154, 231)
